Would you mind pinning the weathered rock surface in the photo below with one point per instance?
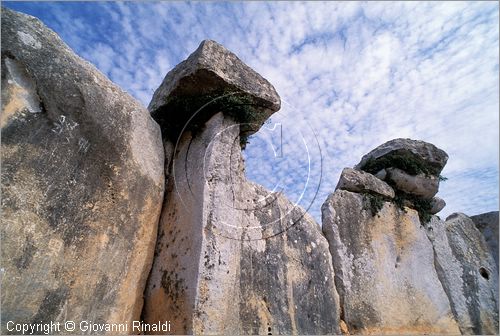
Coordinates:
(422, 152)
(420, 185)
(210, 80)
(232, 257)
(82, 184)
(384, 269)
(468, 273)
(437, 204)
(487, 223)
(362, 182)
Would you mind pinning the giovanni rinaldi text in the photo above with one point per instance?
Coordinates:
(87, 326)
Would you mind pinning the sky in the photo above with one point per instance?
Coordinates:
(351, 76)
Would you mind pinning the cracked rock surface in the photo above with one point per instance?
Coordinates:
(82, 184)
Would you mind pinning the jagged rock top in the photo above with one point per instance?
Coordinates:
(412, 156)
(208, 73)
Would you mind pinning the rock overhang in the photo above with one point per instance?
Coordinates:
(412, 156)
(212, 79)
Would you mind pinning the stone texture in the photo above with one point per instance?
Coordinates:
(437, 204)
(425, 152)
(82, 184)
(381, 174)
(468, 273)
(362, 182)
(384, 269)
(186, 96)
(487, 223)
(419, 185)
(232, 257)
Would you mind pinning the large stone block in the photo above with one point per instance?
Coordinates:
(82, 185)
(210, 80)
(384, 269)
(422, 186)
(232, 257)
(362, 182)
(487, 223)
(468, 273)
(412, 156)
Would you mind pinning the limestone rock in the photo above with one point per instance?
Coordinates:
(437, 204)
(468, 273)
(487, 223)
(401, 152)
(291, 270)
(82, 184)
(384, 269)
(232, 257)
(362, 182)
(419, 185)
(212, 79)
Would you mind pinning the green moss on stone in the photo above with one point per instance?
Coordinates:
(423, 206)
(189, 113)
(375, 203)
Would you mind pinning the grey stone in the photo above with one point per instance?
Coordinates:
(212, 79)
(381, 174)
(384, 269)
(232, 257)
(82, 184)
(419, 185)
(487, 223)
(362, 182)
(425, 153)
(437, 204)
(468, 273)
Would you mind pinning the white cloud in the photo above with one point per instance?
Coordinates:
(358, 74)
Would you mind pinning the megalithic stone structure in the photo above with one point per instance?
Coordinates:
(399, 269)
(231, 257)
(82, 185)
(384, 263)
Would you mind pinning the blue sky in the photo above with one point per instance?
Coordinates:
(351, 76)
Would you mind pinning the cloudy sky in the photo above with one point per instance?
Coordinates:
(351, 76)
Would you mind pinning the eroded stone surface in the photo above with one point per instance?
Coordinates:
(232, 257)
(82, 184)
(428, 154)
(468, 273)
(419, 185)
(211, 80)
(362, 182)
(384, 269)
(487, 223)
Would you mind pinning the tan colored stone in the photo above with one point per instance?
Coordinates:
(82, 184)
(232, 257)
(384, 269)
